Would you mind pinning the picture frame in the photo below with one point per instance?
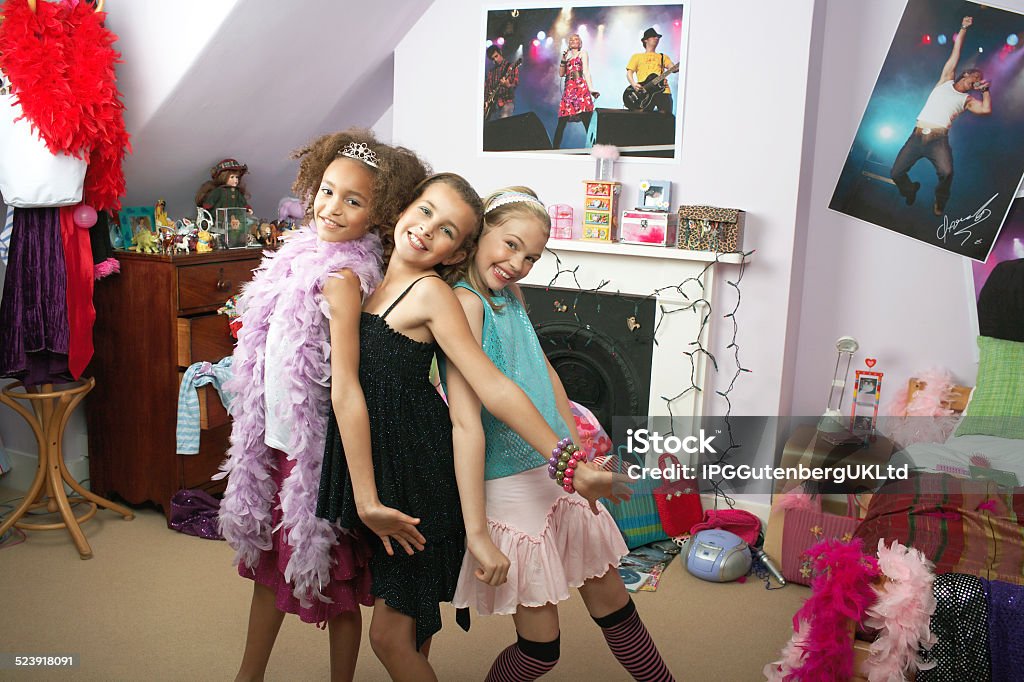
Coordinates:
(232, 226)
(135, 218)
(867, 388)
(527, 102)
(654, 195)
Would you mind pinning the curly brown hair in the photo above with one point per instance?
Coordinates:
(395, 182)
(453, 273)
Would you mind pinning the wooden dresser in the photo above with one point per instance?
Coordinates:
(153, 320)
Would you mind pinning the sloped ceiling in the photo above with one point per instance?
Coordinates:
(249, 79)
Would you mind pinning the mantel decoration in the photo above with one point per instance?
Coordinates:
(696, 345)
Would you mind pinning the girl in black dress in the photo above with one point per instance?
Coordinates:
(406, 464)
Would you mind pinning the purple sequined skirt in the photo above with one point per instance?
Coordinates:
(350, 574)
(34, 331)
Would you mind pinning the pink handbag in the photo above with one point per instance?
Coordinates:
(804, 528)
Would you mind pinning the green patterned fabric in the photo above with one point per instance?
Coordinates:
(997, 404)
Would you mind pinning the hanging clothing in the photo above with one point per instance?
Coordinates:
(5, 233)
(80, 309)
(34, 332)
(199, 374)
(86, 117)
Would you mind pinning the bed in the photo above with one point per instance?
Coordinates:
(963, 506)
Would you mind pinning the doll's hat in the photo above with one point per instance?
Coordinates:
(229, 165)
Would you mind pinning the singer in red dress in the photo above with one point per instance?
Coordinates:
(578, 94)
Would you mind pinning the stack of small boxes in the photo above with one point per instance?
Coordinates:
(600, 210)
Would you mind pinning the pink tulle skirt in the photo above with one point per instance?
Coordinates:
(552, 539)
(350, 574)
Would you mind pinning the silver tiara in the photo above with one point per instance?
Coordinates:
(360, 152)
(512, 198)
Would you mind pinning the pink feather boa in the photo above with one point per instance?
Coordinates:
(820, 649)
(902, 614)
(922, 418)
(288, 283)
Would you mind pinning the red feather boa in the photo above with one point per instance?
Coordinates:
(60, 61)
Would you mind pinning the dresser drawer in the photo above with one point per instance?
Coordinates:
(195, 471)
(206, 337)
(208, 286)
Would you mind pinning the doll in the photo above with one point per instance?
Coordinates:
(225, 188)
(160, 211)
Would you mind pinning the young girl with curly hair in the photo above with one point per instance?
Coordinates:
(529, 542)
(298, 348)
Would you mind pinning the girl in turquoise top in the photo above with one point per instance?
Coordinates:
(529, 540)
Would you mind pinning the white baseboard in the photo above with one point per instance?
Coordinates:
(24, 467)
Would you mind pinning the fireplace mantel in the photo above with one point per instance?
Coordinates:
(641, 251)
(645, 270)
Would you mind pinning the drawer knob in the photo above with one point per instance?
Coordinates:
(223, 284)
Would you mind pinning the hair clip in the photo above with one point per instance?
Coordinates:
(360, 152)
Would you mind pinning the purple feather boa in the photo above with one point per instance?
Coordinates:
(289, 282)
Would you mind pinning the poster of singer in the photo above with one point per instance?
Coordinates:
(939, 153)
(565, 78)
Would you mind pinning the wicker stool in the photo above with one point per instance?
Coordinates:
(52, 408)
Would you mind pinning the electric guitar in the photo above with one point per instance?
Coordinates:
(510, 73)
(634, 100)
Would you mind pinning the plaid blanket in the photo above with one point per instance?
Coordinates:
(962, 525)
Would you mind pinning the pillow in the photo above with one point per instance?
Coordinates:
(997, 404)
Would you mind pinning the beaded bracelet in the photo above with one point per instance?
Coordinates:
(562, 465)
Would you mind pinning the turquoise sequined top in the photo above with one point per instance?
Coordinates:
(510, 341)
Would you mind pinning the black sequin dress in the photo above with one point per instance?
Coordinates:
(413, 464)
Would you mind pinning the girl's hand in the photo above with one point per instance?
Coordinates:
(493, 569)
(390, 524)
(593, 483)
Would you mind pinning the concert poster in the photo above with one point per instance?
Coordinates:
(529, 102)
(938, 153)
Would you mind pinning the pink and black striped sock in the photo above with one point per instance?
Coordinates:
(524, 661)
(632, 645)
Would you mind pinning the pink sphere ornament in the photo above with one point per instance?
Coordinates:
(84, 216)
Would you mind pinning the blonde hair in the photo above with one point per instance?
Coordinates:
(499, 207)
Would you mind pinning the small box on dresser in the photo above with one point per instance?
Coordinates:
(154, 319)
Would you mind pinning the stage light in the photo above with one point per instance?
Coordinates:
(536, 43)
(981, 49)
(548, 41)
(541, 35)
(941, 40)
(885, 132)
(489, 43)
(926, 39)
(582, 30)
(500, 40)
(1012, 39)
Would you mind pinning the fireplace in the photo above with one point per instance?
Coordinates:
(601, 345)
(666, 290)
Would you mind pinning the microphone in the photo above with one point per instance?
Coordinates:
(776, 573)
